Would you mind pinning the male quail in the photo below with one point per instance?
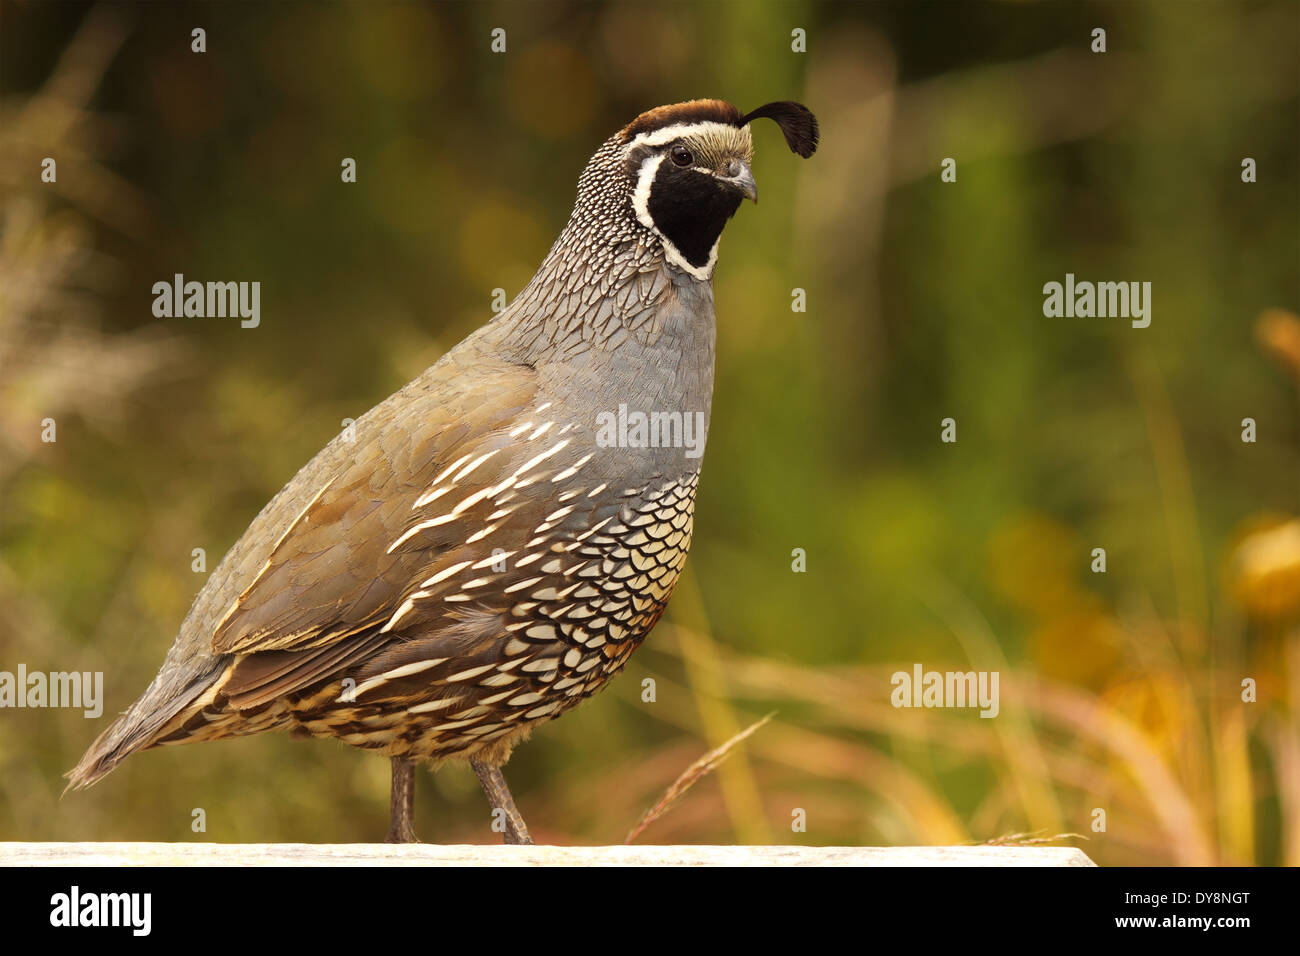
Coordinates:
(482, 557)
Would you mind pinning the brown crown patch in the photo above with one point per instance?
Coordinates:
(693, 111)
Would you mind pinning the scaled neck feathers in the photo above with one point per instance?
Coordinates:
(606, 274)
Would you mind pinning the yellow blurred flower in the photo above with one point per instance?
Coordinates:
(1034, 563)
(1264, 570)
(1278, 332)
(1156, 703)
(1081, 644)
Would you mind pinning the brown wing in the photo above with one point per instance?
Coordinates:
(332, 571)
(305, 590)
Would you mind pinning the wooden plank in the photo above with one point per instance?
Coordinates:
(427, 854)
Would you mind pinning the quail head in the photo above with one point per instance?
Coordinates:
(505, 530)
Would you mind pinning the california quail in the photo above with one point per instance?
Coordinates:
(491, 547)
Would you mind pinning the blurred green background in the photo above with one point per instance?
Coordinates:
(1120, 691)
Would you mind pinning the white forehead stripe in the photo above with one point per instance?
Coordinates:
(666, 134)
(645, 178)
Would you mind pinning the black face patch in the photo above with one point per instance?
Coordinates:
(690, 208)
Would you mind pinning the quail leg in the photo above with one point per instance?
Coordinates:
(401, 824)
(498, 794)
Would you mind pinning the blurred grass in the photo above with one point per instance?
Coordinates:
(1120, 691)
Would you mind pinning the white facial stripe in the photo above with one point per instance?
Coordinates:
(677, 259)
(645, 178)
(667, 134)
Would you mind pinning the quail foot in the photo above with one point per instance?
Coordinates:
(482, 557)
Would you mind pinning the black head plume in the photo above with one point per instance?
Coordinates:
(796, 121)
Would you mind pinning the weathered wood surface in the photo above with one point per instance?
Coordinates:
(427, 854)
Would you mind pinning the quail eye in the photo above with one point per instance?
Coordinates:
(681, 156)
